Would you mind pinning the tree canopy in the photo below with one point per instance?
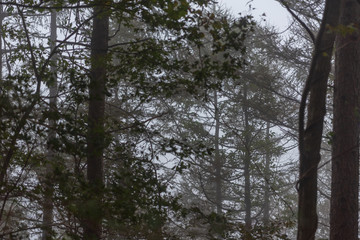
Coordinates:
(176, 120)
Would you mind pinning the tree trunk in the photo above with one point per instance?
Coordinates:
(49, 188)
(247, 160)
(96, 132)
(217, 162)
(266, 216)
(310, 139)
(345, 158)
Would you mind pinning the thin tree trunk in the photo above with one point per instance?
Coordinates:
(310, 138)
(49, 188)
(345, 158)
(217, 162)
(247, 160)
(266, 216)
(96, 132)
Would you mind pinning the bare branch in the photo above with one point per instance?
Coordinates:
(307, 29)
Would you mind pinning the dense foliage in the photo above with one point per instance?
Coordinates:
(199, 121)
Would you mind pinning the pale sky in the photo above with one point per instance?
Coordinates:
(274, 13)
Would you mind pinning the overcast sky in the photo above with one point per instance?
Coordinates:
(274, 13)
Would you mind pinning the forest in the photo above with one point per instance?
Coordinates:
(176, 119)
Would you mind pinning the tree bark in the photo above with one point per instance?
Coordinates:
(310, 139)
(96, 132)
(49, 188)
(266, 216)
(345, 158)
(247, 160)
(217, 162)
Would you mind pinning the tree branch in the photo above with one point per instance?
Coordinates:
(307, 29)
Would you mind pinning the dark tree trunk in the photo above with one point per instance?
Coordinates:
(310, 139)
(96, 133)
(217, 162)
(247, 195)
(345, 158)
(266, 216)
(247, 161)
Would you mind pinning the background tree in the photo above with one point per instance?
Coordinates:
(48, 206)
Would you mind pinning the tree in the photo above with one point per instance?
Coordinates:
(48, 205)
(345, 142)
(92, 218)
(311, 137)
(242, 138)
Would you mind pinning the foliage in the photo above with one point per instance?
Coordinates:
(172, 67)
